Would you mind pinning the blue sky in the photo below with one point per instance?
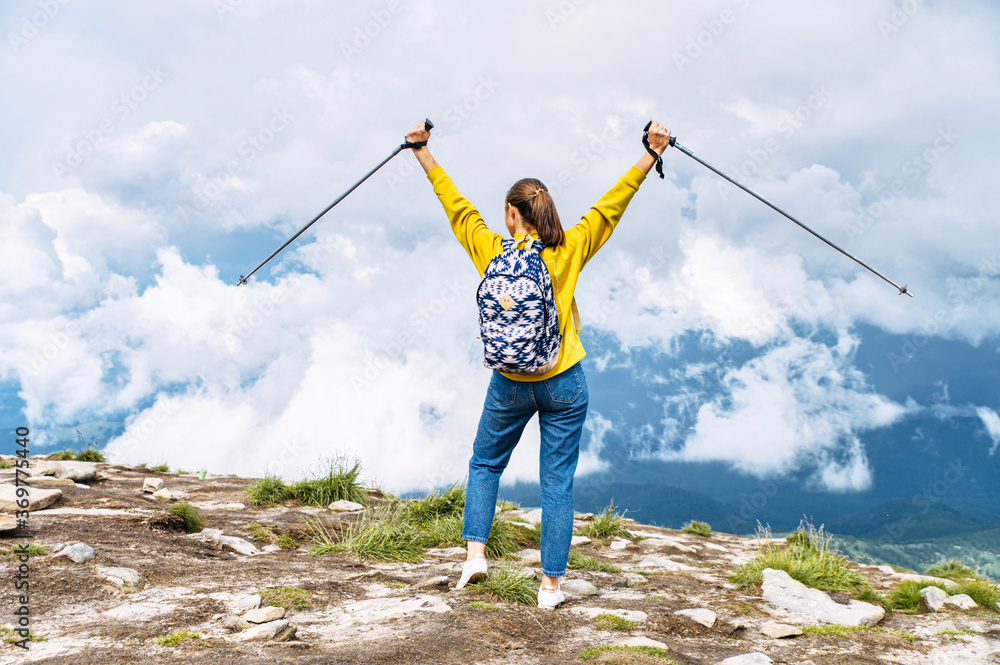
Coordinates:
(159, 151)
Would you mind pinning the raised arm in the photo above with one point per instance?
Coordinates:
(659, 139)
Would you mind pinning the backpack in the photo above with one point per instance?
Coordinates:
(518, 319)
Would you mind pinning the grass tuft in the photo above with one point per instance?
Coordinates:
(580, 561)
(160, 468)
(808, 558)
(437, 505)
(289, 597)
(698, 528)
(62, 456)
(339, 483)
(177, 638)
(379, 534)
(4, 464)
(613, 622)
(268, 491)
(508, 583)
(986, 594)
(485, 607)
(606, 525)
(953, 570)
(286, 543)
(32, 549)
(614, 655)
(188, 513)
(507, 505)
(90, 455)
(10, 637)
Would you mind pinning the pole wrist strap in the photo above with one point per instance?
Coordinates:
(657, 157)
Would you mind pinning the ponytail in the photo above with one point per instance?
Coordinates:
(533, 200)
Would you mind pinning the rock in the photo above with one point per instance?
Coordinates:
(8, 523)
(928, 631)
(52, 481)
(748, 659)
(139, 611)
(244, 602)
(285, 634)
(444, 553)
(38, 467)
(80, 471)
(657, 562)
(272, 548)
(717, 548)
(934, 598)
(962, 601)
(37, 498)
(80, 553)
(530, 557)
(584, 516)
(699, 615)
(238, 545)
(346, 507)
(235, 623)
(121, 576)
(235, 505)
(619, 544)
(657, 543)
(639, 641)
(265, 614)
(578, 588)
(946, 583)
(780, 589)
(579, 540)
(439, 581)
(632, 579)
(590, 612)
(779, 630)
(264, 631)
(374, 610)
(164, 494)
(534, 517)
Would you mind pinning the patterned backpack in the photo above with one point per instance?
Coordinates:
(518, 320)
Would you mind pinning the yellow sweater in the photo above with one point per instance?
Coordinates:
(564, 262)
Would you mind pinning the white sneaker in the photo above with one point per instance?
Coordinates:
(548, 599)
(474, 570)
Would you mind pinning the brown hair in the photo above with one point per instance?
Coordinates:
(533, 200)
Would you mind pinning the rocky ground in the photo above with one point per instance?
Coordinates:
(146, 580)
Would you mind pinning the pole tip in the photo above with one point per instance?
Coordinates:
(903, 290)
(243, 280)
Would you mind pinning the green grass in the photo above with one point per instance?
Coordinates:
(160, 468)
(177, 638)
(339, 483)
(953, 570)
(437, 505)
(379, 534)
(10, 637)
(288, 597)
(16, 550)
(809, 559)
(507, 505)
(4, 464)
(261, 532)
(395, 585)
(580, 561)
(188, 513)
(984, 593)
(838, 630)
(613, 622)
(286, 542)
(90, 455)
(606, 525)
(447, 531)
(614, 654)
(508, 583)
(698, 528)
(485, 607)
(62, 456)
(906, 597)
(528, 535)
(268, 491)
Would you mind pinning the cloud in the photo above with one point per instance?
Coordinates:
(992, 424)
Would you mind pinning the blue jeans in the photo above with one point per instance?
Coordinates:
(561, 404)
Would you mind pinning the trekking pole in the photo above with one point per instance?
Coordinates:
(675, 144)
(428, 125)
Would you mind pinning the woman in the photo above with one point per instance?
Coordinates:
(559, 396)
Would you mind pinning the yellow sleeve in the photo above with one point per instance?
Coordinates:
(595, 227)
(479, 242)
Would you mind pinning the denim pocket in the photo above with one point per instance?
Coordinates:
(502, 391)
(566, 387)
